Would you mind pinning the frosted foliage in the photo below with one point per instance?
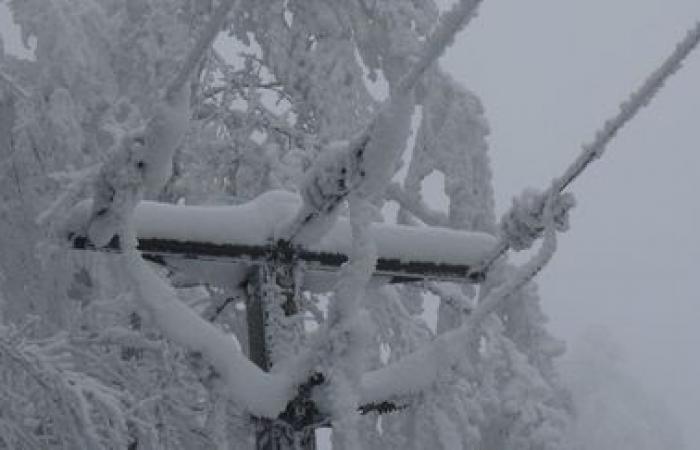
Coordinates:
(392, 35)
(118, 189)
(103, 350)
(452, 139)
(72, 46)
(314, 59)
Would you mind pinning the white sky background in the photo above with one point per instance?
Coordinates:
(548, 73)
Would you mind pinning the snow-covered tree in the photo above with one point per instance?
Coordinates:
(127, 100)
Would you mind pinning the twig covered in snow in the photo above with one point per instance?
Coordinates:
(13, 85)
(203, 43)
(451, 295)
(141, 165)
(628, 110)
(79, 181)
(364, 168)
(416, 206)
(80, 406)
(118, 188)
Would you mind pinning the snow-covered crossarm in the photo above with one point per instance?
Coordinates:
(247, 232)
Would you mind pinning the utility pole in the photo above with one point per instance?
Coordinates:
(275, 328)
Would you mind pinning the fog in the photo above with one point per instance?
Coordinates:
(549, 72)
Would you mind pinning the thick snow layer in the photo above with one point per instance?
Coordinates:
(252, 223)
(256, 222)
(140, 165)
(163, 134)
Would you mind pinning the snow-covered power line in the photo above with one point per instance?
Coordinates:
(365, 165)
(449, 25)
(595, 149)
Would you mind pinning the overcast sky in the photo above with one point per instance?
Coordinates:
(548, 73)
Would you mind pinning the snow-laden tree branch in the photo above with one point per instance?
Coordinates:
(364, 168)
(211, 31)
(84, 412)
(367, 163)
(140, 165)
(416, 206)
(142, 161)
(78, 183)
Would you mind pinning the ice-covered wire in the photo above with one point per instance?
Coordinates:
(523, 224)
(364, 166)
(449, 24)
(628, 110)
(529, 270)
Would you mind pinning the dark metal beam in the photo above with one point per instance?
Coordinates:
(399, 271)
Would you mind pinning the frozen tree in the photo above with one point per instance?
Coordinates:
(128, 100)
